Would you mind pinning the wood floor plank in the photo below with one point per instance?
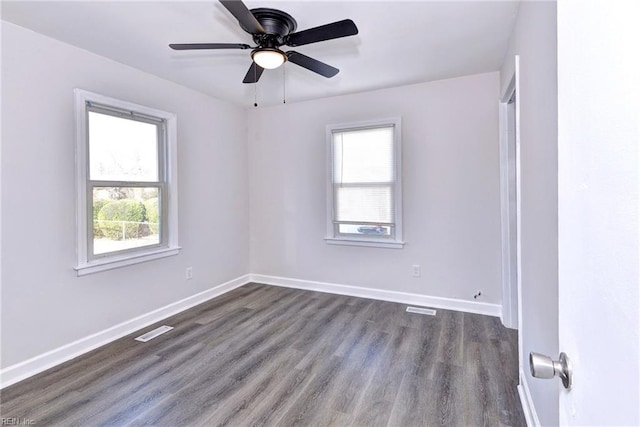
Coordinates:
(446, 397)
(273, 356)
(283, 395)
(451, 342)
(360, 372)
(474, 328)
(376, 415)
(252, 389)
(117, 404)
(376, 403)
(313, 405)
(410, 403)
(479, 396)
(424, 352)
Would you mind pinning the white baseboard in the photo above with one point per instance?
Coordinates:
(528, 408)
(506, 322)
(20, 371)
(384, 295)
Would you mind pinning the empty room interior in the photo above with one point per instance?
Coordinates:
(320, 213)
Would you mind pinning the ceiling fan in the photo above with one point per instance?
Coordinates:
(271, 29)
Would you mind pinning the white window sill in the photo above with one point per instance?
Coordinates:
(393, 244)
(96, 266)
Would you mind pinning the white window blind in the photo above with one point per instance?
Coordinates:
(363, 175)
(364, 181)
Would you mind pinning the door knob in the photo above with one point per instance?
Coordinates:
(544, 367)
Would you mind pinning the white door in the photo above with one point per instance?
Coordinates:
(599, 180)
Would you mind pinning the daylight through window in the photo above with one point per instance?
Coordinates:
(125, 181)
(365, 185)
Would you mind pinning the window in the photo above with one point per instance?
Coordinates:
(126, 182)
(364, 191)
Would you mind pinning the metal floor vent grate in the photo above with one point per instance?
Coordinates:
(420, 310)
(152, 334)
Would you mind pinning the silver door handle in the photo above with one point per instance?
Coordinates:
(544, 367)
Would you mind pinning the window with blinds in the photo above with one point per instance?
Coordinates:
(364, 182)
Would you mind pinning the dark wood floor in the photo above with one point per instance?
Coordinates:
(263, 355)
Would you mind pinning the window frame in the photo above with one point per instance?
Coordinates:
(333, 236)
(167, 184)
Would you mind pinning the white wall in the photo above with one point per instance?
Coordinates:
(534, 39)
(450, 183)
(599, 172)
(44, 304)
(451, 194)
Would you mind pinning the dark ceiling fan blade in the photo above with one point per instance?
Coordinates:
(331, 31)
(312, 64)
(254, 73)
(190, 46)
(243, 15)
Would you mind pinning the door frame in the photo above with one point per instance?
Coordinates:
(511, 316)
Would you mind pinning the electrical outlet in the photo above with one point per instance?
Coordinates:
(188, 274)
(415, 270)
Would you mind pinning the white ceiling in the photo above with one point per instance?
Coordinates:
(399, 42)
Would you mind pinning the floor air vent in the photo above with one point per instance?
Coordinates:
(420, 310)
(152, 334)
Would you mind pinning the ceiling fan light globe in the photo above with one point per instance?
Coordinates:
(268, 58)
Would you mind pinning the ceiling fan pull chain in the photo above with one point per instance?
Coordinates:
(255, 87)
(284, 87)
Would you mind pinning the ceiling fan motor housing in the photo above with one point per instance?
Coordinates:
(277, 25)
